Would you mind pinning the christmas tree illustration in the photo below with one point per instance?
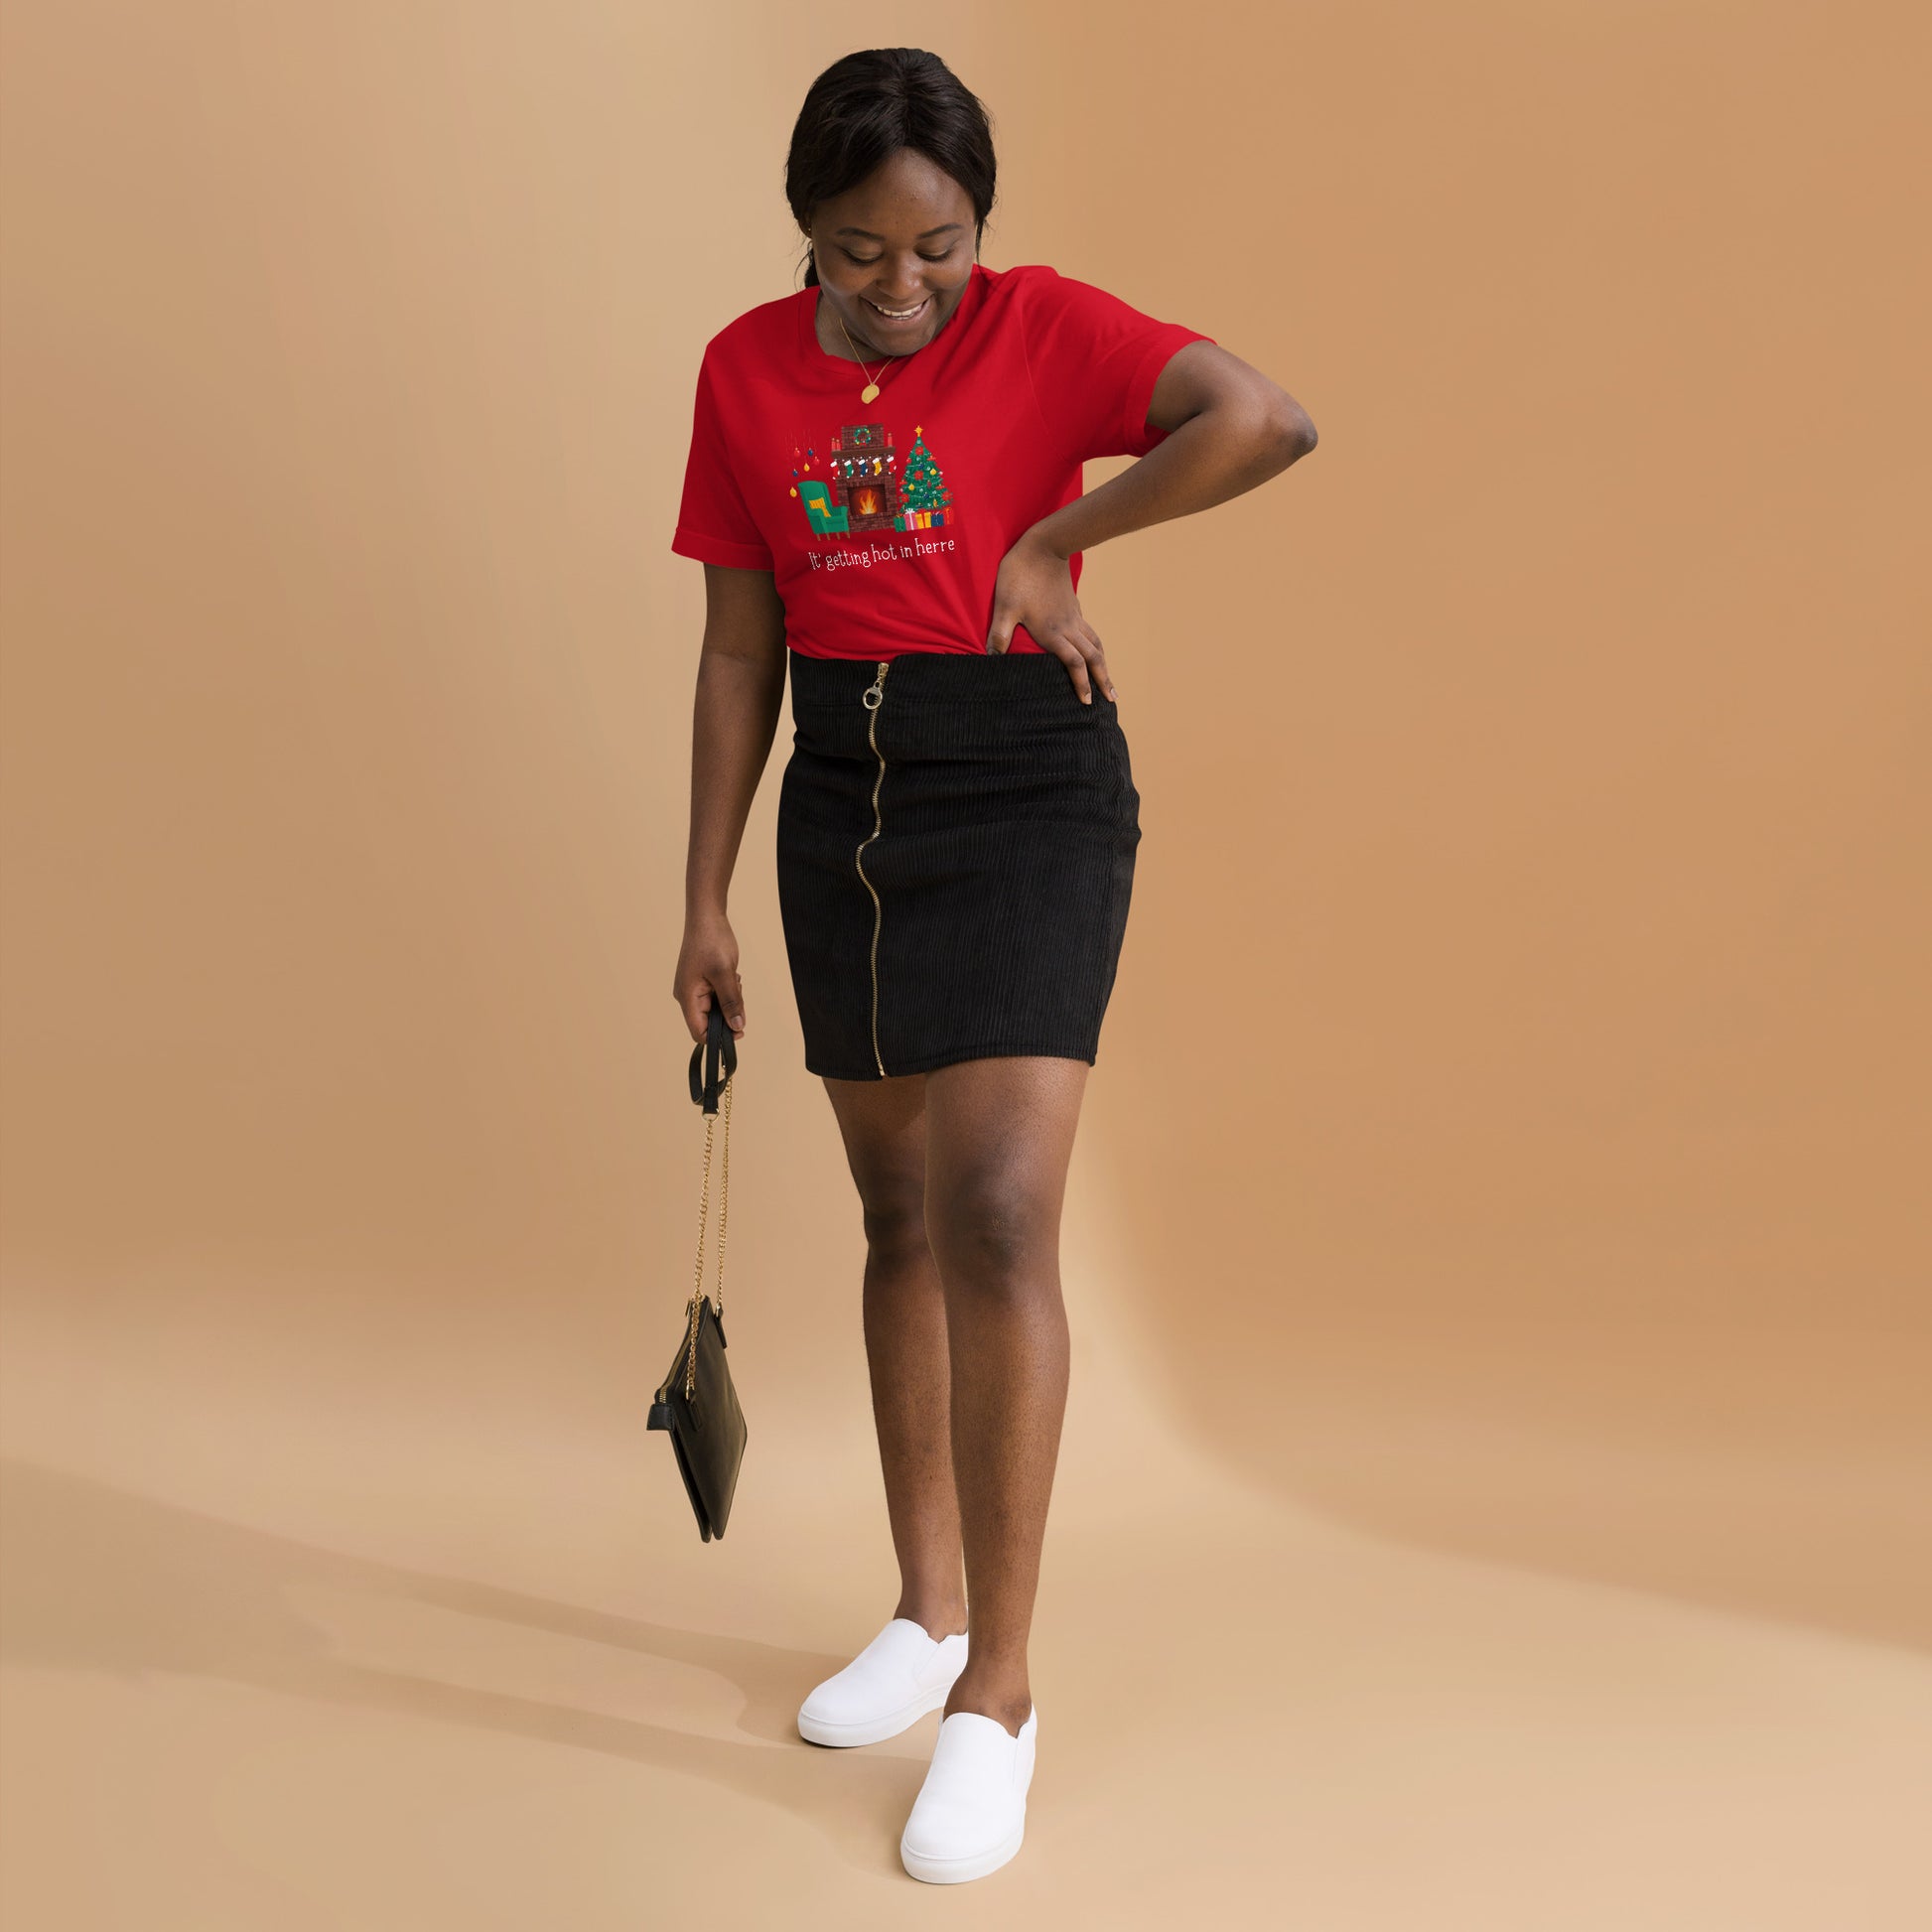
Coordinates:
(925, 486)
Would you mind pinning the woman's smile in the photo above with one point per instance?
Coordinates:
(900, 318)
(877, 327)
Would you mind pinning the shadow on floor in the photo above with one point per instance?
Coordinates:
(100, 1579)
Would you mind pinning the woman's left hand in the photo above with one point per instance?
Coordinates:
(1035, 587)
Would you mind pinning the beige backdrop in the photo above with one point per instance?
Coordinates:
(1496, 1489)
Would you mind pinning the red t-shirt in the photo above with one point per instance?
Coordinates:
(884, 523)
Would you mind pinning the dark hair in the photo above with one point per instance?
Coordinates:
(863, 108)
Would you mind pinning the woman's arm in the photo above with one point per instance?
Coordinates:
(741, 686)
(1229, 428)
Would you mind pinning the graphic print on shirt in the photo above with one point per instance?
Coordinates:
(865, 488)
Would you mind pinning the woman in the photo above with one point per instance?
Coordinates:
(885, 488)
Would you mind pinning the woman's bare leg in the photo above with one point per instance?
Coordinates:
(998, 1138)
(882, 1123)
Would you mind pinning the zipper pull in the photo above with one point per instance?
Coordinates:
(874, 694)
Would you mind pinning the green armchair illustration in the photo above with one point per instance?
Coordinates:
(826, 521)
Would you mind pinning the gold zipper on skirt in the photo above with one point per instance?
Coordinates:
(873, 697)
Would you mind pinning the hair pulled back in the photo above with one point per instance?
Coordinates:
(867, 105)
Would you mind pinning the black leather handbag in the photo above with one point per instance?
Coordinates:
(696, 1401)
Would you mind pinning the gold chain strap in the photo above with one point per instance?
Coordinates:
(696, 1305)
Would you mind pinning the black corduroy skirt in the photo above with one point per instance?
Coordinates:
(956, 842)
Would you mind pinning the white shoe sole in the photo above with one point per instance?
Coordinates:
(954, 1872)
(815, 1730)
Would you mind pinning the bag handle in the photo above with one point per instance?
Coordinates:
(719, 1043)
(714, 1062)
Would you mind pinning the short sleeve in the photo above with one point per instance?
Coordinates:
(714, 523)
(1095, 360)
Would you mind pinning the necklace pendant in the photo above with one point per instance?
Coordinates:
(870, 393)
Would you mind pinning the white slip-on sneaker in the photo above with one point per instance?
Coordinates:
(892, 1683)
(971, 1813)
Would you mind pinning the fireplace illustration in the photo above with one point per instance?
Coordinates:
(870, 486)
(866, 482)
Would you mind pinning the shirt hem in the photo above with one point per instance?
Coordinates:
(719, 551)
(1161, 350)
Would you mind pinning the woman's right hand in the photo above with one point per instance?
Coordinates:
(708, 975)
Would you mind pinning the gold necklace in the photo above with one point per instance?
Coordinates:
(870, 393)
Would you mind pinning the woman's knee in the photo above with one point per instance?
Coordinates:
(993, 1229)
(892, 1206)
